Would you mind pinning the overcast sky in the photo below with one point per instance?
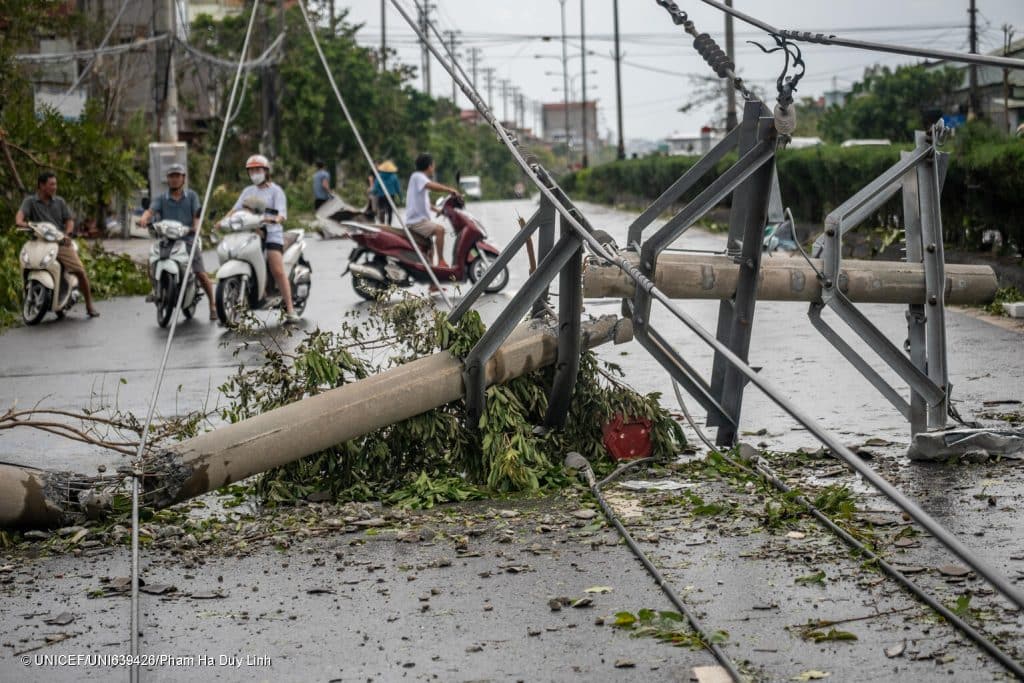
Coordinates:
(658, 56)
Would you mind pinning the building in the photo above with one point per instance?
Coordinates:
(685, 144)
(554, 122)
(1000, 101)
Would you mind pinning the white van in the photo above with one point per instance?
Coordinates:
(470, 186)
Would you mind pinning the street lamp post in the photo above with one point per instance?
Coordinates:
(565, 83)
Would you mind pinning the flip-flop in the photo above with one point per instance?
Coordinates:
(93, 314)
(213, 315)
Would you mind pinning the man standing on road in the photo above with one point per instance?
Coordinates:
(417, 212)
(182, 204)
(321, 185)
(388, 174)
(46, 206)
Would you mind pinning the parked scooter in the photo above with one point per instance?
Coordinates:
(168, 260)
(384, 257)
(48, 287)
(243, 279)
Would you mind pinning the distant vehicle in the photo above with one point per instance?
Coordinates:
(470, 186)
(867, 142)
(801, 143)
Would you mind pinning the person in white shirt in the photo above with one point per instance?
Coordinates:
(273, 198)
(418, 206)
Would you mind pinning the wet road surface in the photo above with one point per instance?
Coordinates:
(112, 360)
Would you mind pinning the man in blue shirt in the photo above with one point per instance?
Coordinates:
(321, 185)
(182, 204)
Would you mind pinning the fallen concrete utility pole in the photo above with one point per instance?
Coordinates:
(36, 498)
(782, 278)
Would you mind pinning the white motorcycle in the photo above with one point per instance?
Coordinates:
(243, 279)
(48, 287)
(168, 261)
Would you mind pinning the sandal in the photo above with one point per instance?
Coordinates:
(93, 314)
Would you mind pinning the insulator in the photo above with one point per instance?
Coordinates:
(785, 119)
(714, 55)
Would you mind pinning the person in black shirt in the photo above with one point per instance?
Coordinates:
(46, 206)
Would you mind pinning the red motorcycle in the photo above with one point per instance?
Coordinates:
(384, 257)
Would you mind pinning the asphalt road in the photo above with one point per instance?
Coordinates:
(112, 360)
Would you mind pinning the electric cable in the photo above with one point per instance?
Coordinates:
(536, 173)
(761, 470)
(137, 465)
(369, 158)
(103, 44)
(578, 462)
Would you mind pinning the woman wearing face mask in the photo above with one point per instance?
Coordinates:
(276, 204)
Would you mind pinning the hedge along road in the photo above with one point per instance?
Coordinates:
(67, 362)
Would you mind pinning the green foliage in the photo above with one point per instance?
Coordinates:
(666, 626)
(890, 103)
(815, 579)
(421, 461)
(832, 635)
(395, 120)
(1005, 295)
(816, 180)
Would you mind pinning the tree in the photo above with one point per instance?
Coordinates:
(891, 104)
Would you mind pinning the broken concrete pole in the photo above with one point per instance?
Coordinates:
(35, 498)
(790, 278)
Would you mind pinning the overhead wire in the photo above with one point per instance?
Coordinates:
(762, 471)
(138, 463)
(92, 62)
(369, 158)
(534, 172)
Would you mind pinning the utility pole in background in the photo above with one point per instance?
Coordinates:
(269, 87)
(972, 106)
(1007, 41)
(424, 50)
(164, 81)
(583, 58)
(489, 77)
(504, 100)
(565, 85)
(618, 81)
(730, 88)
(383, 33)
(474, 56)
(450, 35)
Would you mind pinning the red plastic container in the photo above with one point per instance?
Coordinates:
(627, 438)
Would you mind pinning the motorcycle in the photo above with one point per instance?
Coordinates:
(243, 279)
(48, 287)
(168, 260)
(384, 256)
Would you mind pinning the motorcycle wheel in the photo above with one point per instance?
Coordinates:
(367, 288)
(230, 300)
(190, 310)
(480, 266)
(36, 302)
(299, 305)
(166, 300)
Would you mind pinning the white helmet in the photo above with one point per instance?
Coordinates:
(257, 161)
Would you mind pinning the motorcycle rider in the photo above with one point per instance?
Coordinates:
(417, 212)
(274, 199)
(182, 204)
(46, 206)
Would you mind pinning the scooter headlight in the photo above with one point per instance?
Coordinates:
(49, 257)
(24, 257)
